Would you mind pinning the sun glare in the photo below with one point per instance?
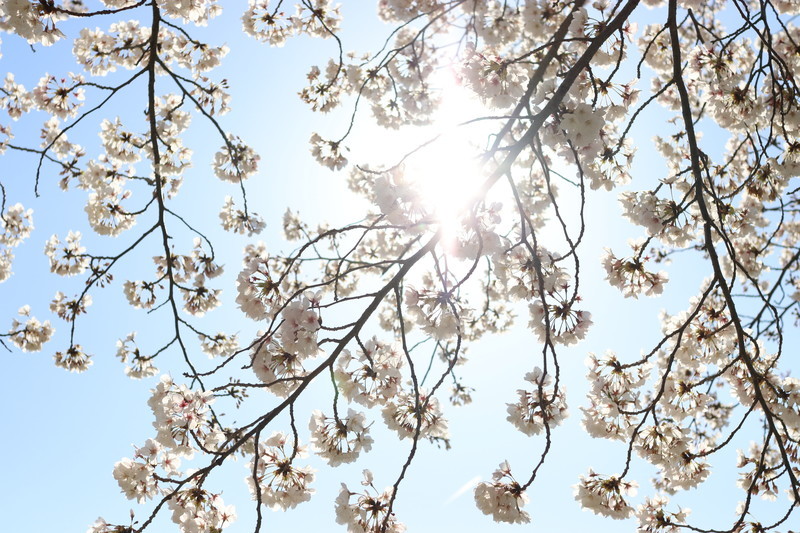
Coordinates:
(447, 175)
(440, 162)
(448, 171)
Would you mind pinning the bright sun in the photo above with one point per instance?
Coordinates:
(447, 174)
(441, 162)
(447, 171)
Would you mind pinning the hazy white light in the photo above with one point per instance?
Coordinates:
(441, 162)
(448, 171)
(447, 175)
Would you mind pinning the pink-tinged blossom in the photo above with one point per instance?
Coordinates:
(73, 359)
(538, 407)
(278, 368)
(339, 440)
(497, 81)
(32, 334)
(197, 12)
(517, 269)
(6, 259)
(140, 294)
(662, 444)
(196, 510)
(67, 259)
(654, 518)
(121, 146)
(16, 224)
(371, 377)
(182, 417)
(136, 479)
(613, 395)
(219, 345)
(235, 161)
(56, 142)
(199, 300)
(567, 325)
(15, 99)
(327, 153)
(503, 497)
(128, 352)
(59, 97)
(298, 331)
(258, 296)
(369, 511)
(684, 471)
(438, 311)
(263, 21)
(582, 125)
(105, 212)
(408, 418)
(629, 274)
(282, 484)
(68, 309)
(605, 495)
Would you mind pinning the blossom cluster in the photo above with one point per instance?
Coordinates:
(503, 497)
(370, 512)
(538, 408)
(277, 482)
(560, 91)
(182, 418)
(339, 440)
(16, 223)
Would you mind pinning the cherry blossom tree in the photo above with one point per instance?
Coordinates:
(561, 85)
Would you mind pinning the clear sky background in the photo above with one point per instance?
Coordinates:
(62, 433)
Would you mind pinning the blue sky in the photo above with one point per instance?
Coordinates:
(63, 432)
